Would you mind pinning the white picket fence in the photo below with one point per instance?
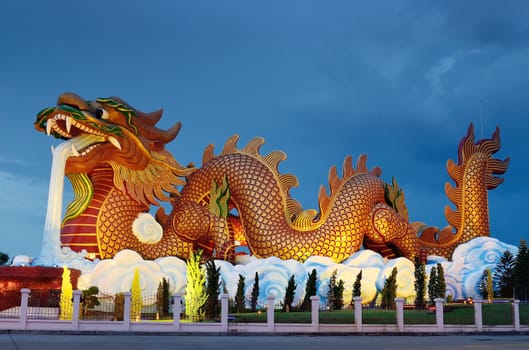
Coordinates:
(21, 319)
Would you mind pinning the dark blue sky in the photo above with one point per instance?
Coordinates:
(397, 80)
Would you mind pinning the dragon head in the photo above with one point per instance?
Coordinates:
(120, 136)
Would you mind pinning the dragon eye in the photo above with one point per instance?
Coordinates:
(101, 113)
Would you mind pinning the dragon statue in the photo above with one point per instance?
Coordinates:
(122, 169)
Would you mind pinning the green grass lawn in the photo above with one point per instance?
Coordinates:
(455, 314)
(524, 314)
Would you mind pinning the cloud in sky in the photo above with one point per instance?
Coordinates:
(397, 80)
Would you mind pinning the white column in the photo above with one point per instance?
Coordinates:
(24, 307)
(126, 309)
(516, 314)
(315, 312)
(224, 308)
(358, 313)
(399, 304)
(478, 317)
(177, 309)
(270, 312)
(439, 313)
(76, 308)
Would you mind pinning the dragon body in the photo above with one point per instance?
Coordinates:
(275, 225)
(239, 196)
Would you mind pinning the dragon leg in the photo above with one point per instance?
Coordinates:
(387, 226)
(193, 222)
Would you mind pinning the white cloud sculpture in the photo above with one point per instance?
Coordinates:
(462, 274)
(115, 275)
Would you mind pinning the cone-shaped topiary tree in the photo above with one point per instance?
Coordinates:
(213, 285)
(432, 286)
(420, 284)
(255, 292)
(290, 293)
(441, 283)
(310, 290)
(357, 285)
(66, 303)
(162, 298)
(239, 295)
(135, 297)
(389, 291)
(195, 295)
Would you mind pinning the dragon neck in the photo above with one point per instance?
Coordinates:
(97, 210)
(85, 186)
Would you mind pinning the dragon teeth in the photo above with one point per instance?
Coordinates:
(114, 142)
(75, 152)
(68, 124)
(49, 127)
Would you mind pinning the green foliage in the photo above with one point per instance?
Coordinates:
(521, 271)
(213, 284)
(441, 282)
(335, 292)
(485, 286)
(503, 275)
(331, 290)
(66, 302)
(195, 294)
(290, 292)
(219, 197)
(162, 298)
(4, 258)
(432, 286)
(389, 291)
(490, 288)
(89, 299)
(239, 295)
(338, 295)
(310, 289)
(436, 284)
(255, 292)
(135, 297)
(394, 197)
(357, 286)
(420, 284)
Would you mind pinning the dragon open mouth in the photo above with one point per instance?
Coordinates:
(67, 127)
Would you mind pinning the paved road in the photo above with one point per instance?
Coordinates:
(32, 341)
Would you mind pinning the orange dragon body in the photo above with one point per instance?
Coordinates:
(240, 195)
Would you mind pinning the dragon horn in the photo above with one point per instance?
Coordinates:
(165, 136)
(69, 98)
(150, 118)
